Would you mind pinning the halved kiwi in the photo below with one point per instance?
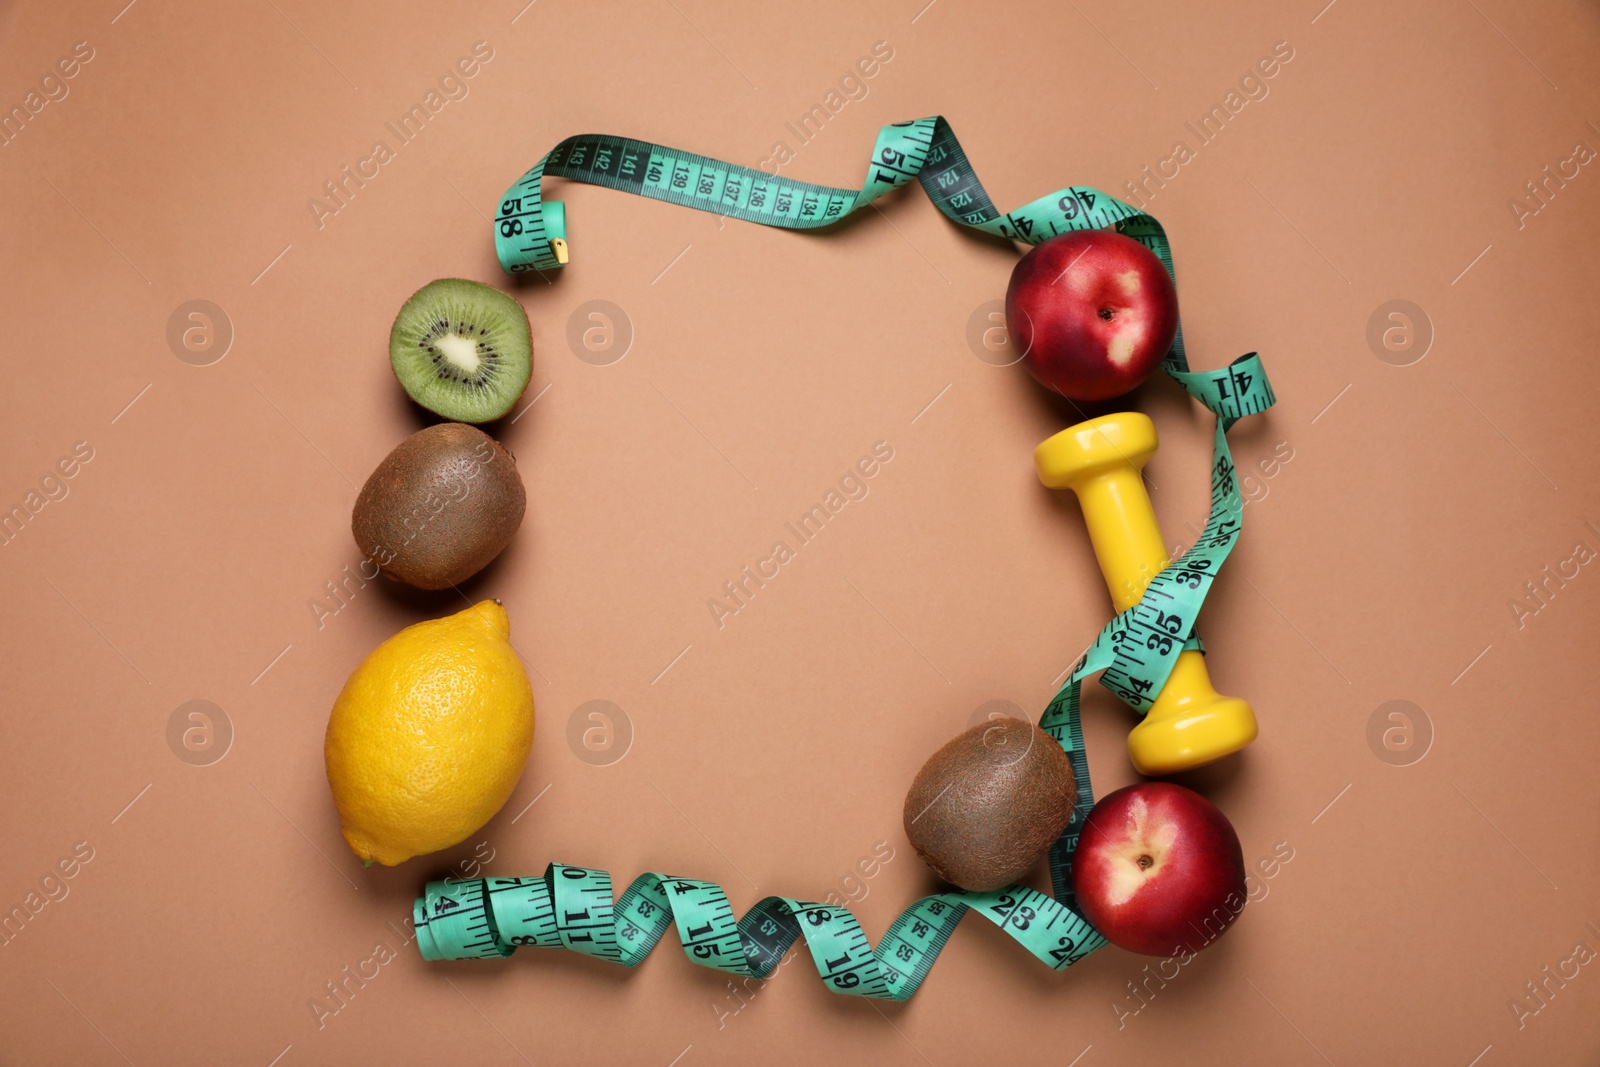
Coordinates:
(462, 349)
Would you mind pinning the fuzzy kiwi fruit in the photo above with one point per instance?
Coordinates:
(440, 506)
(462, 349)
(987, 805)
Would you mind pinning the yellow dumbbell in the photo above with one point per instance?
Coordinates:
(1189, 724)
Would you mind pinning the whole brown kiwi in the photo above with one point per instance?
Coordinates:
(440, 506)
(987, 805)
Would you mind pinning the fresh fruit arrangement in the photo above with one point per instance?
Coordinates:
(429, 736)
(1155, 867)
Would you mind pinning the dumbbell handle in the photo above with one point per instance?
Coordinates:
(1122, 527)
(1189, 724)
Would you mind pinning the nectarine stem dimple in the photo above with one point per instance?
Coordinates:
(1145, 863)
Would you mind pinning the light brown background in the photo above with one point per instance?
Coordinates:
(773, 755)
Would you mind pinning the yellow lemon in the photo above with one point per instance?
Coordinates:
(429, 736)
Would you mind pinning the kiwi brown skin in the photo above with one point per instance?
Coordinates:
(987, 805)
(440, 506)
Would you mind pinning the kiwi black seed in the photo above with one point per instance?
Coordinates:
(462, 349)
(987, 805)
(440, 506)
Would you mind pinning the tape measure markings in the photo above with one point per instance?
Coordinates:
(840, 950)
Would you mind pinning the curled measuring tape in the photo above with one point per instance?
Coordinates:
(573, 907)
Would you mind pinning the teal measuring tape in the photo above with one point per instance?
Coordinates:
(573, 907)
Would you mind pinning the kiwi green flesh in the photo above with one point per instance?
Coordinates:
(990, 803)
(440, 507)
(462, 349)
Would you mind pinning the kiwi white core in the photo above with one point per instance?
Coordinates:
(462, 349)
(460, 352)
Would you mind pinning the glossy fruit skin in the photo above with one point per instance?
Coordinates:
(429, 736)
(1093, 312)
(1192, 891)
